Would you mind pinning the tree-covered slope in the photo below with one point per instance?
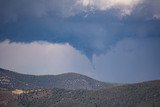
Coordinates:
(146, 94)
(9, 79)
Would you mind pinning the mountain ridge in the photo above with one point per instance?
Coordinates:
(73, 90)
(10, 79)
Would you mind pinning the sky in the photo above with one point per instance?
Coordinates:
(109, 40)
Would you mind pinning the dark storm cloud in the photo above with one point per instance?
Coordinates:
(122, 37)
(13, 10)
(90, 28)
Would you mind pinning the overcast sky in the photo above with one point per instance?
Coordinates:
(109, 40)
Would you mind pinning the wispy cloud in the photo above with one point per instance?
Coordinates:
(125, 6)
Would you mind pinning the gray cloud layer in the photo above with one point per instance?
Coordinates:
(130, 60)
(133, 60)
(12, 10)
(89, 26)
(93, 27)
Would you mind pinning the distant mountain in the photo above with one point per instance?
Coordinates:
(146, 94)
(72, 81)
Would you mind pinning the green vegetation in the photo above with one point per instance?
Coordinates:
(137, 95)
(46, 91)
